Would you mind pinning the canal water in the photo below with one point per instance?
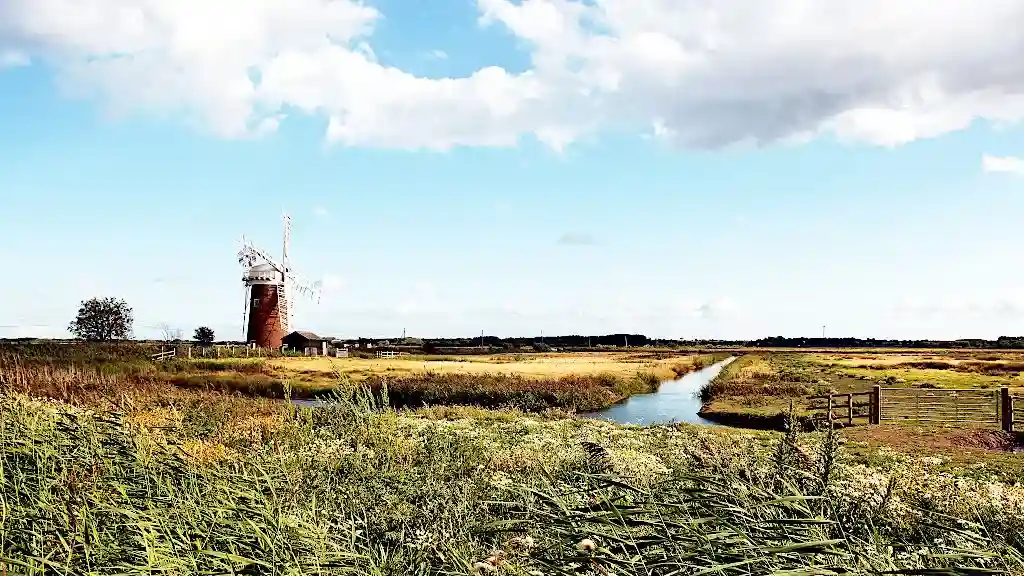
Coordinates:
(675, 401)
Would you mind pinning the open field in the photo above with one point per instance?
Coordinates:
(105, 477)
(620, 364)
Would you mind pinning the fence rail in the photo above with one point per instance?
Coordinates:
(950, 405)
(850, 406)
(165, 355)
(1014, 412)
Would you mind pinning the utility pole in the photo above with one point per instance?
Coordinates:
(481, 338)
(627, 341)
(822, 331)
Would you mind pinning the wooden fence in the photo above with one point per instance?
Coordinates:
(165, 355)
(214, 351)
(1015, 412)
(968, 406)
(847, 407)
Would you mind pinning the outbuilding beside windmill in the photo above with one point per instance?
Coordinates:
(307, 342)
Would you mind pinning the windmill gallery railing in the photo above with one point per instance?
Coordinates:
(963, 406)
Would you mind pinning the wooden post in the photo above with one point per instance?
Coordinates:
(849, 408)
(1006, 403)
(190, 352)
(876, 405)
(830, 411)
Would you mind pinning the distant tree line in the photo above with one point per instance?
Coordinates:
(637, 340)
(539, 343)
(783, 342)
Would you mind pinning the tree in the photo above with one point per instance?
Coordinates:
(204, 335)
(102, 319)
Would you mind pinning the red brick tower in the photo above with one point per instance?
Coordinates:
(268, 306)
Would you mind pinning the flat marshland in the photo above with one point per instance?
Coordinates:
(575, 382)
(579, 382)
(764, 384)
(105, 473)
(759, 388)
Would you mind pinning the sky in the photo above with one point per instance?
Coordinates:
(678, 168)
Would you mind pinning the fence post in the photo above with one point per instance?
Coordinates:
(829, 410)
(1006, 403)
(876, 405)
(849, 408)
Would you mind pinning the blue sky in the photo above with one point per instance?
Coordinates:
(681, 169)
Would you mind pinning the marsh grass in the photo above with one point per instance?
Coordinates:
(573, 392)
(1000, 368)
(762, 376)
(69, 379)
(180, 482)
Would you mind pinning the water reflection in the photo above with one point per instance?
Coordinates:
(675, 401)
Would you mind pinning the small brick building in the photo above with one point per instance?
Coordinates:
(306, 342)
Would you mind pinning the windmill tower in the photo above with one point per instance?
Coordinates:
(269, 286)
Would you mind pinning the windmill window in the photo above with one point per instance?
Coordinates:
(255, 302)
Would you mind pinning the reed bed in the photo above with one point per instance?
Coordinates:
(573, 392)
(101, 477)
(206, 483)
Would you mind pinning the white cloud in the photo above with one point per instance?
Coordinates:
(702, 73)
(321, 211)
(333, 283)
(439, 54)
(13, 59)
(1002, 164)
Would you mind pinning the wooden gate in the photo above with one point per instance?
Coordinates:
(948, 406)
(953, 406)
(1013, 413)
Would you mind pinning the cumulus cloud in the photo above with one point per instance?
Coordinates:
(702, 73)
(1002, 164)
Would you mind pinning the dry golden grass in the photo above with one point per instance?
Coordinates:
(532, 366)
(859, 360)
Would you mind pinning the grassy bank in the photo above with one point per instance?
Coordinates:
(182, 482)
